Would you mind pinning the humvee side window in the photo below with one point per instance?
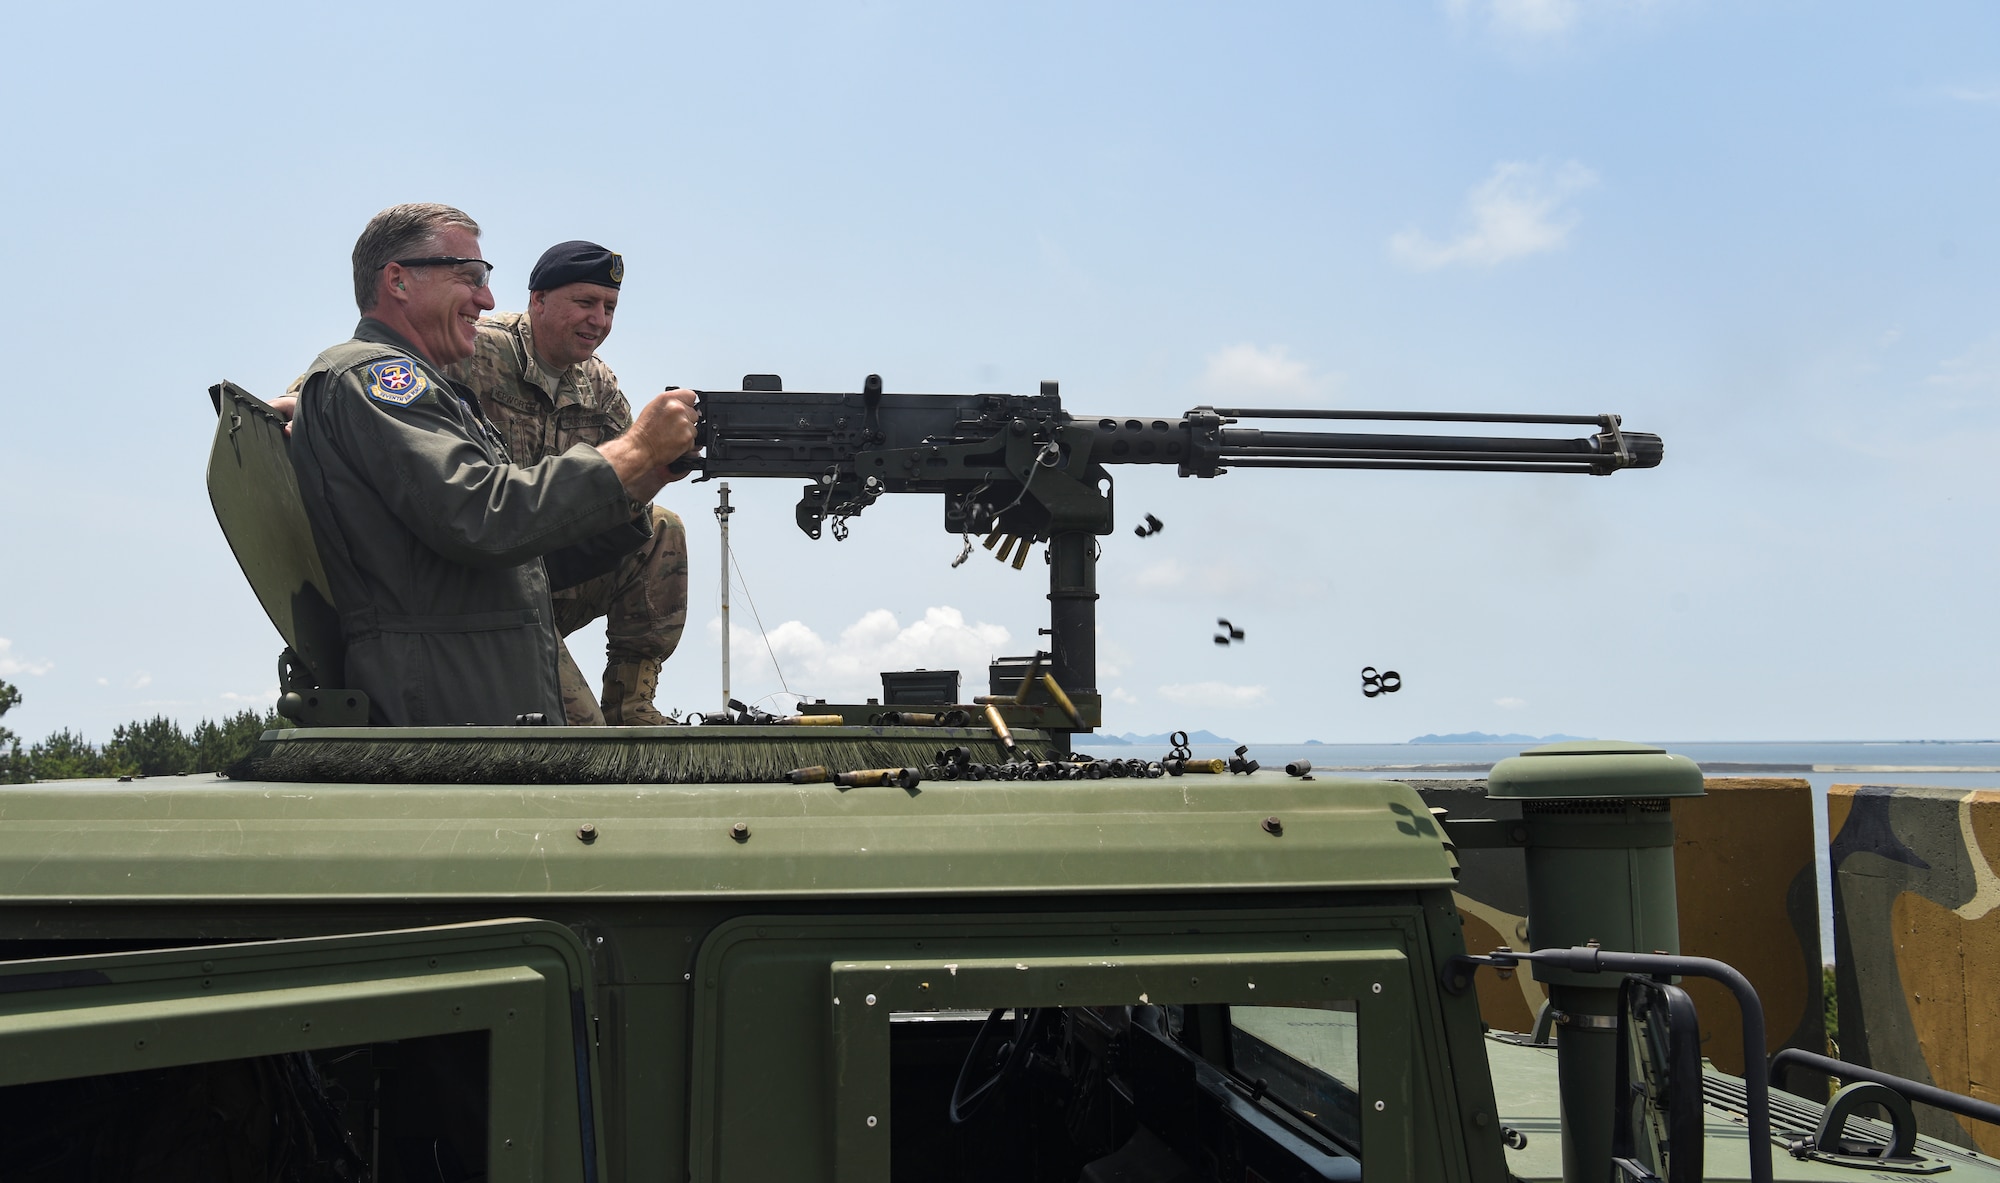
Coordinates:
(1064, 1068)
(396, 1110)
(452, 1053)
(1308, 1058)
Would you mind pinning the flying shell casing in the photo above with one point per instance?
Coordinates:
(1027, 685)
(1062, 700)
(999, 726)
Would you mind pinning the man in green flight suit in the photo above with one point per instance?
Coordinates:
(540, 381)
(434, 542)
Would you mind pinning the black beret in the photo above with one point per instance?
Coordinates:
(576, 262)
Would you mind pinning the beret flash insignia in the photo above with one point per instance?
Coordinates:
(396, 381)
(617, 268)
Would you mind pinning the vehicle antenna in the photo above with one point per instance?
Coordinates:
(722, 512)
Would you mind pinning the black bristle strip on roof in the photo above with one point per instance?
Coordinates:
(697, 755)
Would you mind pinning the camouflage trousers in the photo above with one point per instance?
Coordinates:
(643, 602)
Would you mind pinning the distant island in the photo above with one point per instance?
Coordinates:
(1161, 740)
(1132, 739)
(1484, 737)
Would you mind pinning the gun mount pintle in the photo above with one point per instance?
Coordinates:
(1021, 467)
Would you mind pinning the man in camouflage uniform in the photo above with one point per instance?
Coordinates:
(540, 381)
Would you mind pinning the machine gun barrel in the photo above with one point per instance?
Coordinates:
(1214, 446)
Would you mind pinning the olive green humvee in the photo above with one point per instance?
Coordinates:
(1254, 978)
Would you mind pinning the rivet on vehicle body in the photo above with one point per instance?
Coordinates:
(586, 833)
(740, 831)
(871, 1121)
(870, 1000)
(1377, 987)
(1379, 1106)
(1273, 826)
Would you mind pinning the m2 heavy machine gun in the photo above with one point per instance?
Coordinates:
(1022, 469)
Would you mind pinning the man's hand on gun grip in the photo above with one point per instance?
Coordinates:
(662, 433)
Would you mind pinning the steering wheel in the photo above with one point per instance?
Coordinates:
(998, 1054)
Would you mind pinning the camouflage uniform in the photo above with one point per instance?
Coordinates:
(644, 600)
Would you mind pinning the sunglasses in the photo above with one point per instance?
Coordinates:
(474, 271)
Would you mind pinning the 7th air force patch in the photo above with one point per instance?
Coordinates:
(396, 381)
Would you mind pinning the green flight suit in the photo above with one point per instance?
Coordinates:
(433, 542)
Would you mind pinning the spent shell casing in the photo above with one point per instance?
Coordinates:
(999, 726)
(1062, 700)
(1028, 680)
(902, 778)
(810, 775)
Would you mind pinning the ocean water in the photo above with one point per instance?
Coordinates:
(1950, 765)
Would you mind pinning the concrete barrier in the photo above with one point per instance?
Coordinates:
(1917, 940)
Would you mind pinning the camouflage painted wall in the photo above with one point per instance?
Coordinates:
(1746, 892)
(1917, 941)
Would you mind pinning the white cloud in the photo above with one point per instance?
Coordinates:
(1539, 20)
(1120, 694)
(1521, 209)
(1529, 18)
(1975, 372)
(1975, 94)
(849, 667)
(1510, 704)
(11, 665)
(140, 680)
(263, 699)
(1214, 694)
(1268, 372)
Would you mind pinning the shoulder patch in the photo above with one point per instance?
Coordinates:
(396, 381)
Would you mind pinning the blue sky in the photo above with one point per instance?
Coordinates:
(1765, 231)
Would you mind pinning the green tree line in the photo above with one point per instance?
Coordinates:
(152, 747)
